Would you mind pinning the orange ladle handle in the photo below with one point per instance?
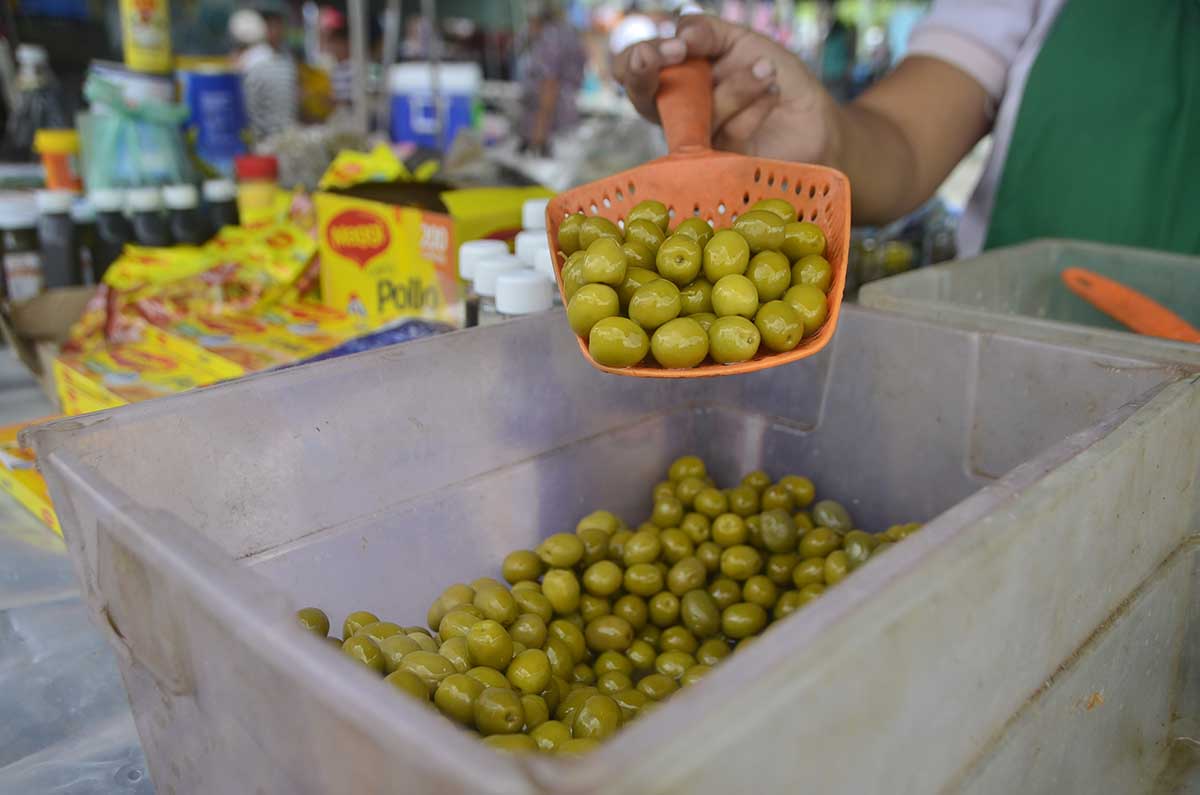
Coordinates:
(685, 105)
(1137, 311)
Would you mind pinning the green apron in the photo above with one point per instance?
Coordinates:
(1106, 145)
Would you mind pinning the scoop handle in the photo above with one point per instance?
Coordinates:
(1137, 311)
(685, 105)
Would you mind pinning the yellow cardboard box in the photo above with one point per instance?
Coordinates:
(390, 250)
(20, 478)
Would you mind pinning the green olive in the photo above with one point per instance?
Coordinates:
(759, 590)
(809, 571)
(727, 253)
(455, 697)
(651, 634)
(559, 655)
(423, 641)
(675, 545)
(314, 620)
(616, 545)
(780, 326)
(810, 592)
(654, 304)
(595, 545)
(709, 553)
(787, 603)
(592, 607)
(686, 575)
(637, 255)
(631, 703)
(743, 500)
(800, 238)
(356, 621)
(705, 319)
(561, 587)
(518, 566)
(408, 682)
(569, 706)
(603, 578)
(668, 512)
(679, 344)
(813, 270)
(711, 503)
(643, 579)
(641, 655)
(734, 295)
(741, 562)
(365, 651)
(743, 620)
(656, 686)
(618, 342)
(696, 298)
(819, 542)
(643, 547)
(780, 566)
(612, 662)
(430, 667)
(856, 548)
(532, 600)
(561, 550)
(571, 635)
(583, 674)
(754, 530)
(632, 608)
(713, 650)
(729, 530)
(456, 651)
(696, 228)
(828, 513)
(778, 530)
(536, 710)
(732, 339)
(572, 275)
(568, 233)
(499, 711)
(664, 609)
(770, 273)
(529, 671)
(488, 677)
(700, 613)
(673, 663)
(591, 304)
(651, 210)
(678, 259)
(762, 229)
(489, 644)
(757, 480)
(804, 521)
(645, 232)
(605, 263)
(837, 566)
(550, 736)
(778, 206)
(597, 228)
(686, 466)
(603, 520)
(597, 718)
(609, 633)
(496, 603)
(613, 682)
(687, 489)
(697, 526)
(801, 489)
(394, 649)
(694, 674)
(810, 303)
(635, 278)
(529, 629)
(777, 496)
(456, 623)
(679, 638)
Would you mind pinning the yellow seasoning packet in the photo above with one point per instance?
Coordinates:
(352, 168)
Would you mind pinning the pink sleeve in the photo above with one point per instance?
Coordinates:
(980, 37)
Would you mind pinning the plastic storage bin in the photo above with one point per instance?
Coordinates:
(414, 111)
(199, 522)
(1018, 290)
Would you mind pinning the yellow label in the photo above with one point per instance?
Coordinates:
(146, 33)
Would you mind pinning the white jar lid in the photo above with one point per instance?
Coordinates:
(107, 200)
(488, 270)
(471, 252)
(54, 202)
(181, 197)
(18, 214)
(219, 190)
(82, 212)
(533, 213)
(523, 292)
(529, 243)
(543, 262)
(144, 200)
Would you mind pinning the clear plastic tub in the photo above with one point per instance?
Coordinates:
(1018, 290)
(199, 522)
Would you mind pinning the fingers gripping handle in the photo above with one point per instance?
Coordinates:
(685, 105)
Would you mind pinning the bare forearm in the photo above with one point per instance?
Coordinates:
(547, 105)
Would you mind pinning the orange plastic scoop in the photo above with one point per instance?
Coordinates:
(716, 186)
(1126, 305)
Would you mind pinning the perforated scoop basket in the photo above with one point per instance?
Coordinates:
(715, 186)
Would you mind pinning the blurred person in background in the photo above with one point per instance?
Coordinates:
(269, 80)
(837, 52)
(335, 47)
(550, 71)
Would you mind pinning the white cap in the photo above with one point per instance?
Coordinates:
(32, 54)
(247, 27)
(473, 251)
(18, 214)
(543, 262)
(107, 200)
(219, 190)
(82, 212)
(54, 202)
(533, 213)
(523, 292)
(144, 200)
(181, 197)
(489, 269)
(529, 243)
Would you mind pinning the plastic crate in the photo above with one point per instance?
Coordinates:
(199, 522)
(1018, 290)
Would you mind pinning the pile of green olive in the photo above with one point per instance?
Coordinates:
(694, 293)
(598, 626)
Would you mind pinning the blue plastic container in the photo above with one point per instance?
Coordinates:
(414, 111)
(217, 113)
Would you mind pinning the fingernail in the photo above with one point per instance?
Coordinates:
(762, 69)
(673, 50)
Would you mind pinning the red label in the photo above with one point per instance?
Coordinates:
(358, 235)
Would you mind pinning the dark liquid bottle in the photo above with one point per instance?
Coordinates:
(113, 230)
(189, 227)
(58, 243)
(220, 196)
(150, 227)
